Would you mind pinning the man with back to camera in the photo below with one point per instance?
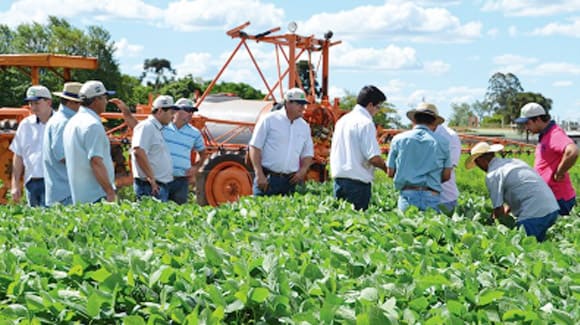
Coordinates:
(419, 160)
(87, 149)
(182, 138)
(150, 158)
(355, 152)
(556, 153)
(449, 190)
(281, 147)
(27, 148)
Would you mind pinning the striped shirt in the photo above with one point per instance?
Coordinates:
(180, 143)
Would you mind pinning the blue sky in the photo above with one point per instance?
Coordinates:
(440, 51)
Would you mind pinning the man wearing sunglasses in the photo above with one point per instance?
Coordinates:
(150, 159)
(182, 139)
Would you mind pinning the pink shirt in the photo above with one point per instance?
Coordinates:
(549, 153)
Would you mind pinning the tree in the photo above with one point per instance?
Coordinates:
(157, 72)
(501, 88)
(461, 114)
(515, 104)
(303, 69)
(481, 109)
(387, 117)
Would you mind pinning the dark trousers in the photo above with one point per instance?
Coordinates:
(353, 191)
(179, 190)
(35, 192)
(143, 188)
(277, 185)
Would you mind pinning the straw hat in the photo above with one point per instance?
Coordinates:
(426, 108)
(480, 149)
(70, 91)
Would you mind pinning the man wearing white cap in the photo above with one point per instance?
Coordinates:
(150, 158)
(355, 152)
(556, 153)
(515, 187)
(87, 149)
(281, 148)
(182, 138)
(27, 148)
(56, 182)
(419, 160)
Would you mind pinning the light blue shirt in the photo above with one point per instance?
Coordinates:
(513, 182)
(418, 157)
(84, 138)
(180, 142)
(55, 177)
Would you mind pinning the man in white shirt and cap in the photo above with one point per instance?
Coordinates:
(281, 147)
(27, 148)
(150, 159)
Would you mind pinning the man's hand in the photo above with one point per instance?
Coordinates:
(299, 176)
(262, 181)
(16, 193)
(154, 186)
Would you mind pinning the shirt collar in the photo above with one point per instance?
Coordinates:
(363, 110)
(422, 127)
(547, 128)
(155, 122)
(67, 111)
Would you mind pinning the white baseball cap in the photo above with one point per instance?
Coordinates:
(37, 92)
(186, 103)
(296, 95)
(164, 101)
(530, 110)
(93, 88)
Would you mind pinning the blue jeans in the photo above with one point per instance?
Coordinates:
(422, 199)
(143, 188)
(566, 206)
(538, 226)
(356, 192)
(179, 190)
(35, 192)
(277, 185)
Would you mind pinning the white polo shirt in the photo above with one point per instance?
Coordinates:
(84, 137)
(27, 143)
(147, 135)
(354, 142)
(283, 142)
(449, 191)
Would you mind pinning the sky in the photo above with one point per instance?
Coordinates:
(441, 52)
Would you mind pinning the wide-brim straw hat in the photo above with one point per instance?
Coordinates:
(426, 108)
(480, 149)
(70, 91)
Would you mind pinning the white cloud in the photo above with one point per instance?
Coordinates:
(406, 21)
(562, 83)
(511, 59)
(388, 58)
(123, 48)
(513, 31)
(493, 32)
(572, 29)
(531, 7)
(437, 67)
(196, 64)
(521, 65)
(336, 92)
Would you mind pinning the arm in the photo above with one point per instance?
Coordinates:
(445, 175)
(391, 172)
(17, 171)
(101, 175)
(379, 162)
(143, 163)
(568, 160)
(194, 170)
(301, 174)
(127, 115)
(501, 212)
(256, 158)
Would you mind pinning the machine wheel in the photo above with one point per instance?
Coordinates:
(224, 178)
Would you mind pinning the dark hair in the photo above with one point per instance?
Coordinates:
(487, 155)
(422, 118)
(88, 101)
(370, 94)
(544, 118)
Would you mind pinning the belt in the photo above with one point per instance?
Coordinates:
(36, 179)
(419, 188)
(180, 177)
(142, 181)
(273, 173)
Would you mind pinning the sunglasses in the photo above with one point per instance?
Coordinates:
(189, 109)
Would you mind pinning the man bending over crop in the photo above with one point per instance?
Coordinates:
(513, 183)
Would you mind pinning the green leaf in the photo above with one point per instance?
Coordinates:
(260, 295)
(455, 307)
(76, 270)
(370, 294)
(94, 305)
(489, 296)
(537, 268)
(419, 304)
(133, 320)
(212, 255)
(312, 272)
(99, 275)
(234, 306)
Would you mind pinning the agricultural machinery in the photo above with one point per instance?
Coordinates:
(225, 121)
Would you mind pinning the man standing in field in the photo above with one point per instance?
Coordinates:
(281, 147)
(181, 139)
(556, 153)
(515, 187)
(355, 152)
(56, 183)
(419, 160)
(449, 191)
(150, 158)
(87, 149)
(27, 148)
